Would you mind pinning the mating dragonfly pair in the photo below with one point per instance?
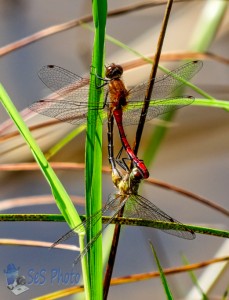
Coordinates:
(71, 105)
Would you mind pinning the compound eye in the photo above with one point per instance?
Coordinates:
(109, 70)
(119, 69)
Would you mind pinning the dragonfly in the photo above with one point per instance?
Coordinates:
(135, 206)
(70, 103)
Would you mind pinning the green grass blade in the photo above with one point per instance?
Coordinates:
(121, 221)
(159, 131)
(212, 103)
(63, 201)
(69, 137)
(194, 279)
(226, 293)
(94, 149)
(207, 26)
(162, 275)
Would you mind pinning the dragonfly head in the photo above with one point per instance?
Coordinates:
(113, 71)
(135, 179)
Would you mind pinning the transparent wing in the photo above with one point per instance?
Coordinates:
(92, 241)
(61, 81)
(157, 108)
(67, 85)
(165, 85)
(139, 207)
(70, 104)
(114, 204)
(87, 223)
(108, 207)
(66, 111)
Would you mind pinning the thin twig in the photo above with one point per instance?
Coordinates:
(13, 134)
(31, 243)
(152, 77)
(189, 194)
(150, 180)
(139, 277)
(73, 23)
(175, 56)
(35, 167)
(111, 259)
(169, 271)
(12, 203)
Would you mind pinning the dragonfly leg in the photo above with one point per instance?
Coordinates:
(105, 100)
(105, 81)
(131, 166)
(122, 161)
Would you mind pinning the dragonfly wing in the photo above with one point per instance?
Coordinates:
(114, 204)
(64, 83)
(71, 88)
(70, 101)
(166, 84)
(139, 207)
(118, 199)
(157, 108)
(87, 223)
(94, 219)
(66, 111)
(160, 107)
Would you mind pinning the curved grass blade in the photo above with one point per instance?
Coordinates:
(162, 275)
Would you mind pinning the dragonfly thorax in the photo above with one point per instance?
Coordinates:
(129, 184)
(118, 93)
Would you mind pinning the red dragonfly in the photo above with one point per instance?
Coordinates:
(136, 206)
(71, 103)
